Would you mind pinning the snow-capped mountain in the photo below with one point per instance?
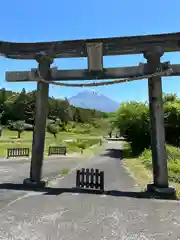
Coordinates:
(94, 100)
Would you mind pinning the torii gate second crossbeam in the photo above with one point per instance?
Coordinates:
(151, 46)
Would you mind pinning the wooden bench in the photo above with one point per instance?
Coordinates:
(18, 152)
(57, 150)
(90, 178)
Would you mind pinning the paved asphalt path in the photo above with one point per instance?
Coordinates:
(15, 171)
(67, 214)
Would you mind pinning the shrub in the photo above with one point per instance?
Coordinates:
(173, 156)
(172, 122)
(133, 121)
(28, 127)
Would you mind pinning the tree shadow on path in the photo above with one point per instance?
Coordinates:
(58, 191)
(113, 153)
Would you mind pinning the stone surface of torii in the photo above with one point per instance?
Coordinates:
(78, 48)
(84, 74)
(152, 46)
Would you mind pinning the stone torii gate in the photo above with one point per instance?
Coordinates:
(151, 46)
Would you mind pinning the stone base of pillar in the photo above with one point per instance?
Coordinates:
(29, 183)
(162, 192)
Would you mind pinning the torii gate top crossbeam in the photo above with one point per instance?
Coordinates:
(77, 48)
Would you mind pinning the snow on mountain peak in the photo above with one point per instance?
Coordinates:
(95, 93)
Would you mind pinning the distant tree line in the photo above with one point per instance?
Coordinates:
(17, 111)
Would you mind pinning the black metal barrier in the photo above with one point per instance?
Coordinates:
(17, 152)
(57, 150)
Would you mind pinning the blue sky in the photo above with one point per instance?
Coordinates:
(44, 20)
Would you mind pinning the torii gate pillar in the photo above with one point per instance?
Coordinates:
(40, 124)
(159, 159)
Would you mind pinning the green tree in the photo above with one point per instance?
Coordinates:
(53, 129)
(133, 122)
(19, 127)
(172, 122)
(170, 97)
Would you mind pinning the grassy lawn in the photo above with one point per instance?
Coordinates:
(9, 140)
(91, 151)
(141, 173)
